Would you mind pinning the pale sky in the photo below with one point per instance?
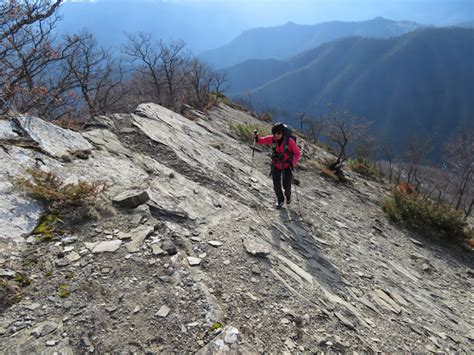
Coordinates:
(206, 24)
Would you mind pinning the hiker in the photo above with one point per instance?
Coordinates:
(284, 158)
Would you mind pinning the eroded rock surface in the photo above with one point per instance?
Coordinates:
(204, 263)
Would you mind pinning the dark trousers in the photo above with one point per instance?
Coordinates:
(277, 180)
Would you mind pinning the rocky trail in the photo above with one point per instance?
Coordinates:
(187, 254)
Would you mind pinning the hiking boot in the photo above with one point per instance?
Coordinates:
(288, 200)
(279, 205)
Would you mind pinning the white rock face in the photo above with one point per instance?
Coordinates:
(6, 130)
(18, 213)
(106, 138)
(54, 140)
(104, 247)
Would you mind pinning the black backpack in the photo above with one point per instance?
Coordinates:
(288, 133)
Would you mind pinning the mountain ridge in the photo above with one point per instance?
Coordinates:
(279, 42)
(424, 77)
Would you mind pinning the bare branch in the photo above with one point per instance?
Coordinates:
(344, 128)
(15, 15)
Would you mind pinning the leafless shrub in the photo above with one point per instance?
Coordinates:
(343, 128)
(417, 149)
(98, 76)
(313, 126)
(459, 157)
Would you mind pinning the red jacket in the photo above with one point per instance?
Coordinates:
(280, 149)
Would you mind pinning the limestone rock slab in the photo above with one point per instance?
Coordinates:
(7, 130)
(105, 246)
(19, 214)
(52, 139)
(138, 236)
(255, 247)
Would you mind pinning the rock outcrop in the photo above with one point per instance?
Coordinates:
(188, 255)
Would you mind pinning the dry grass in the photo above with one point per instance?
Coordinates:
(321, 167)
(470, 242)
(48, 187)
(364, 167)
(265, 117)
(245, 131)
(72, 203)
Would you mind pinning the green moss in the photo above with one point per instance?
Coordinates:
(215, 325)
(22, 279)
(46, 226)
(63, 291)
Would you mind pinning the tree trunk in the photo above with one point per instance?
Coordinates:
(462, 189)
(469, 210)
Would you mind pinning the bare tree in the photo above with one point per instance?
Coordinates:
(98, 76)
(417, 149)
(135, 90)
(166, 65)
(316, 127)
(313, 127)
(344, 128)
(34, 77)
(26, 50)
(174, 63)
(33, 66)
(221, 82)
(302, 118)
(366, 146)
(16, 15)
(468, 210)
(144, 57)
(204, 81)
(388, 153)
(247, 101)
(459, 156)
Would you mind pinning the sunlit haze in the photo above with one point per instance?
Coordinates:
(208, 24)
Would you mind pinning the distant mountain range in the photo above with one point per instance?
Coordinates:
(422, 81)
(284, 41)
(466, 24)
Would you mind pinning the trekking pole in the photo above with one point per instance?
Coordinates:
(253, 153)
(296, 182)
(298, 200)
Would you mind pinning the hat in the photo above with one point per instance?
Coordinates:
(277, 128)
